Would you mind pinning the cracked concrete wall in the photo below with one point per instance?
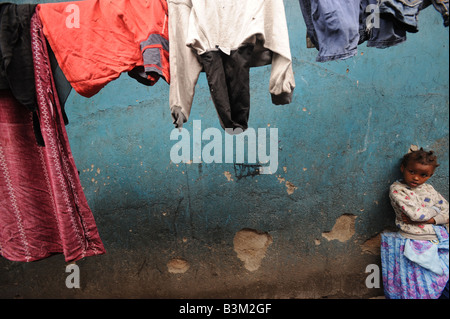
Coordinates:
(308, 230)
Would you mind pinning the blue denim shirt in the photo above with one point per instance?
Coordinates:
(333, 27)
(336, 28)
(406, 12)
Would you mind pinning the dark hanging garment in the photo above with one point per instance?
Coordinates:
(229, 83)
(16, 62)
(16, 57)
(16, 67)
(406, 12)
(63, 87)
(380, 31)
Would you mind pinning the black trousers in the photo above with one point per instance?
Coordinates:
(229, 83)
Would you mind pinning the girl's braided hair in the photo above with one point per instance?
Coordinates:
(421, 156)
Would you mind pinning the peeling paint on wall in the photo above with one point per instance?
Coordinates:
(251, 246)
(178, 266)
(290, 188)
(228, 176)
(343, 229)
(372, 245)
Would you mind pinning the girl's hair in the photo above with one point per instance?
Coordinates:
(421, 156)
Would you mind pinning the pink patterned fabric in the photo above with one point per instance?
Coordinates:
(405, 279)
(43, 210)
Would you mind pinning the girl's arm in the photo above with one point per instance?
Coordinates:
(407, 220)
(417, 212)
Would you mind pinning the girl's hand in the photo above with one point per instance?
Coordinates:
(407, 220)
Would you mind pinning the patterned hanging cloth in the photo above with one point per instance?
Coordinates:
(43, 209)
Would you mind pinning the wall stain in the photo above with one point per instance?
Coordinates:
(372, 245)
(178, 266)
(290, 188)
(250, 246)
(343, 229)
(246, 170)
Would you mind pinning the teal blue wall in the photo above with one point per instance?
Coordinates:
(340, 142)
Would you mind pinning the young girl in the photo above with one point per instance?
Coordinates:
(415, 262)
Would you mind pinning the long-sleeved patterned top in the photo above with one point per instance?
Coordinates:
(419, 204)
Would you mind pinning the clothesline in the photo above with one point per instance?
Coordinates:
(184, 33)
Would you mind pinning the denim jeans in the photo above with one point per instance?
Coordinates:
(332, 26)
(385, 31)
(406, 12)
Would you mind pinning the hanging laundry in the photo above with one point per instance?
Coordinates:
(225, 39)
(63, 87)
(15, 47)
(393, 19)
(43, 208)
(333, 27)
(336, 28)
(16, 67)
(406, 12)
(94, 41)
(442, 7)
(378, 30)
(16, 61)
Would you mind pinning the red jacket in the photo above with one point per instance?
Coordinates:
(94, 41)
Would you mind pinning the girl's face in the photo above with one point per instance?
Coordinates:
(415, 173)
